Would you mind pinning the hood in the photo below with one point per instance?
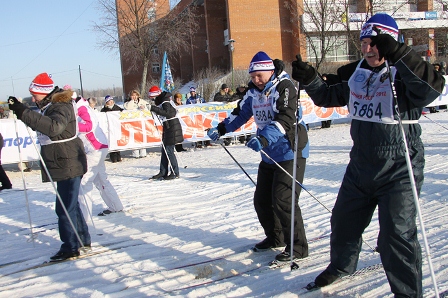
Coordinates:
(164, 96)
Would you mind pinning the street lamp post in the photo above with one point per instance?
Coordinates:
(231, 41)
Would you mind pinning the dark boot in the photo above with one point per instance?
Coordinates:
(325, 278)
(64, 255)
(158, 176)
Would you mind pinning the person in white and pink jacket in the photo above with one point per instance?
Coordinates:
(96, 147)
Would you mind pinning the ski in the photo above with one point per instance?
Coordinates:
(276, 264)
(360, 272)
(90, 252)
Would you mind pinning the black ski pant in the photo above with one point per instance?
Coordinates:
(272, 201)
(384, 183)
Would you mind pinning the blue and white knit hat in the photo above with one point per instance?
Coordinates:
(192, 89)
(384, 22)
(261, 62)
(107, 98)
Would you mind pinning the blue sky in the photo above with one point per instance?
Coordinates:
(53, 36)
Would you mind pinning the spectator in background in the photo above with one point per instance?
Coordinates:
(224, 95)
(136, 103)
(178, 99)
(240, 92)
(110, 106)
(4, 180)
(96, 148)
(178, 102)
(444, 50)
(428, 55)
(172, 133)
(194, 97)
(443, 68)
(3, 115)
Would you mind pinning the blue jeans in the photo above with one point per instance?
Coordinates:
(164, 166)
(68, 191)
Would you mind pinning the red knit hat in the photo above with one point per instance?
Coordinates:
(42, 84)
(154, 91)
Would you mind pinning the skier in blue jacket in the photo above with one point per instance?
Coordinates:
(272, 100)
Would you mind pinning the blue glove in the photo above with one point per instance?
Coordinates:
(255, 144)
(213, 134)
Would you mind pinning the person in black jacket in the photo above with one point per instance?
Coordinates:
(165, 110)
(63, 154)
(110, 106)
(377, 174)
(224, 95)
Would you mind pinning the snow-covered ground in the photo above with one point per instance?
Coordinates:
(192, 236)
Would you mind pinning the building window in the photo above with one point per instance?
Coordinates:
(155, 67)
(337, 52)
(155, 50)
(152, 14)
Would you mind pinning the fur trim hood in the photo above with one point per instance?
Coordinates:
(64, 96)
(223, 93)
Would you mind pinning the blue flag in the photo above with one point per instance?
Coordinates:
(166, 79)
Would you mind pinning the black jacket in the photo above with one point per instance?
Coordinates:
(417, 84)
(66, 159)
(114, 108)
(172, 129)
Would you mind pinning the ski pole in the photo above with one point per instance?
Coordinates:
(412, 180)
(44, 165)
(163, 145)
(180, 159)
(33, 236)
(255, 184)
(303, 187)
(435, 122)
(89, 212)
(293, 193)
(300, 184)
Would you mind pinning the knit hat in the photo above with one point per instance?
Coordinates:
(261, 62)
(224, 86)
(154, 91)
(192, 89)
(42, 84)
(384, 22)
(107, 98)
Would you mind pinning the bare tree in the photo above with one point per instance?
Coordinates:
(206, 79)
(142, 31)
(318, 20)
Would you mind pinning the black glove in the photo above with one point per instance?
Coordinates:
(302, 72)
(387, 46)
(279, 66)
(16, 106)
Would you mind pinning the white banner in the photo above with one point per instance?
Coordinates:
(10, 151)
(443, 98)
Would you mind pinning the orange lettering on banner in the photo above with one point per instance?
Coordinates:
(320, 112)
(307, 107)
(126, 128)
(248, 125)
(153, 132)
(194, 126)
(343, 111)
